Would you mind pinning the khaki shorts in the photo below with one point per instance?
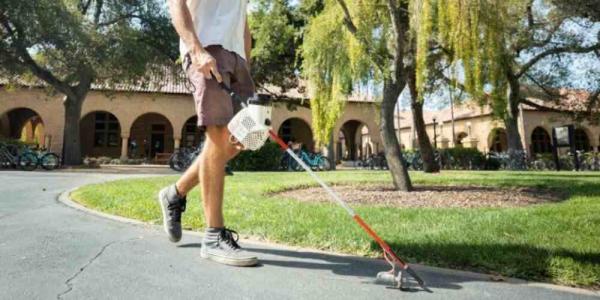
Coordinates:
(214, 107)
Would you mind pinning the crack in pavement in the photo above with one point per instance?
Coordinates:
(81, 269)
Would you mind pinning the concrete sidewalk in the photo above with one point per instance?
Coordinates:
(49, 250)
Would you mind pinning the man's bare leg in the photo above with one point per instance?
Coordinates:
(189, 179)
(219, 243)
(216, 153)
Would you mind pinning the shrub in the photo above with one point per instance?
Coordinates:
(266, 158)
(452, 159)
(462, 159)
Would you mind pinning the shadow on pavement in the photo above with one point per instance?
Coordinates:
(364, 269)
(519, 260)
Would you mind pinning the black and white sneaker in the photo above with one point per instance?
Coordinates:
(172, 206)
(220, 245)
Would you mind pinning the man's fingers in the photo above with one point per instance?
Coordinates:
(214, 70)
(206, 73)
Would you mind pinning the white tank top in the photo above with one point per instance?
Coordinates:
(219, 22)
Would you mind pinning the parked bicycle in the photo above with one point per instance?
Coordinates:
(183, 158)
(47, 160)
(315, 161)
(372, 162)
(26, 159)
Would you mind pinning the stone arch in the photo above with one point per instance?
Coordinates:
(581, 139)
(191, 135)
(354, 140)
(25, 124)
(153, 133)
(540, 141)
(497, 140)
(297, 130)
(460, 139)
(100, 134)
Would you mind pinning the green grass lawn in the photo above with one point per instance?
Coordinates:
(557, 242)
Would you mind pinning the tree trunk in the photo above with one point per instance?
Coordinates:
(425, 148)
(393, 154)
(71, 136)
(511, 121)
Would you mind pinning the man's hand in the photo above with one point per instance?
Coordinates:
(201, 59)
(205, 63)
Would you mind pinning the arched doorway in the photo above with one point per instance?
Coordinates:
(540, 141)
(582, 142)
(354, 141)
(460, 137)
(497, 140)
(191, 135)
(153, 133)
(297, 130)
(100, 134)
(24, 124)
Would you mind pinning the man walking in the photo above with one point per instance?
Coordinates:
(215, 43)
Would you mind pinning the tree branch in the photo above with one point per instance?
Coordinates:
(541, 86)
(98, 12)
(553, 51)
(398, 33)
(377, 59)
(347, 18)
(547, 109)
(29, 62)
(84, 6)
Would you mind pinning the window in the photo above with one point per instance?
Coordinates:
(286, 131)
(540, 141)
(582, 142)
(158, 128)
(106, 130)
(192, 135)
(459, 139)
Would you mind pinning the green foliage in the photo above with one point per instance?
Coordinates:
(334, 60)
(110, 41)
(276, 32)
(462, 159)
(474, 33)
(458, 158)
(266, 158)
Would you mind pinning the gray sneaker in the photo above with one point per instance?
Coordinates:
(172, 206)
(222, 247)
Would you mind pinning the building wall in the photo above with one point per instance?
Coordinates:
(48, 107)
(176, 108)
(479, 129)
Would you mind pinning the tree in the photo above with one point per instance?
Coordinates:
(275, 30)
(349, 43)
(71, 44)
(498, 44)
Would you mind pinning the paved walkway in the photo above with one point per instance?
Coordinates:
(49, 250)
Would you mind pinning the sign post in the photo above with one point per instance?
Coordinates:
(563, 136)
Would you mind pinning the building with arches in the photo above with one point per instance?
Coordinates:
(135, 122)
(474, 126)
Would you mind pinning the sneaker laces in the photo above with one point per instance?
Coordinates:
(176, 208)
(230, 237)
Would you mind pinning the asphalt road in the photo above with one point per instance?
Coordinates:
(49, 250)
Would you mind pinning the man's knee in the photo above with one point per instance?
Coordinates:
(219, 142)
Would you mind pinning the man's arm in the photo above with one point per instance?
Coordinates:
(182, 21)
(248, 43)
